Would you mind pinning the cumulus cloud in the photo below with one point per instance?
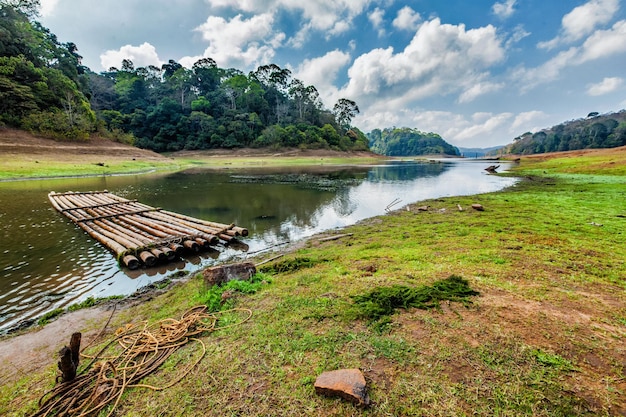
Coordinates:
(606, 86)
(141, 56)
(457, 128)
(582, 21)
(377, 19)
(407, 19)
(334, 16)
(504, 9)
(601, 44)
(48, 7)
(322, 73)
(479, 89)
(440, 59)
(239, 41)
(526, 121)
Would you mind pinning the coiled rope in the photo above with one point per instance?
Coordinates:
(139, 351)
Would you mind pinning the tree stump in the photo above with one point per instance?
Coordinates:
(70, 357)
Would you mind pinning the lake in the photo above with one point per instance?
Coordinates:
(49, 263)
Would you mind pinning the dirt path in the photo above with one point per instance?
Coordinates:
(32, 351)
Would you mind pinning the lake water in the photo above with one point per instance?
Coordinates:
(47, 262)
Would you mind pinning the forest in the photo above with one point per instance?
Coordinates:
(45, 89)
(594, 131)
(408, 142)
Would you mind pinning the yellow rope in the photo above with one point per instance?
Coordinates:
(143, 349)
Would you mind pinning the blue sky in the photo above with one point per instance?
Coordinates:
(477, 72)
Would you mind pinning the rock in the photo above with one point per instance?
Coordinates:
(348, 384)
(422, 208)
(219, 275)
(478, 207)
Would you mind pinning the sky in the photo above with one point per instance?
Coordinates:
(477, 72)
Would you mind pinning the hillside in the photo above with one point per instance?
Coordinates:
(44, 88)
(592, 132)
(408, 142)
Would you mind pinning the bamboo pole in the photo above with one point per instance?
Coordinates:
(127, 259)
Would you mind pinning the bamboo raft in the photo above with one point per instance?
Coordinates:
(137, 233)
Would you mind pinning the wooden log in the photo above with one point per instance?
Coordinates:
(127, 241)
(241, 231)
(130, 261)
(178, 249)
(202, 243)
(70, 357)
(204, 222)
(181, 229)
(143, 226)
(170, 255)
(183, 226)
(158, 254)
(191, 245)
(121, 251)
(148, 258)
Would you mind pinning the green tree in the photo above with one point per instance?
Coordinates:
(345, 110)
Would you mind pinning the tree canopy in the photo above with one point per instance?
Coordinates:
(594, 131)
(408, 142)
(44, 88)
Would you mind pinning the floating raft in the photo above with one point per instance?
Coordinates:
(137, 233)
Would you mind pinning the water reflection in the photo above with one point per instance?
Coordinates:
(47, 262)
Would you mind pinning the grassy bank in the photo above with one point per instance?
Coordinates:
(546, 336)
(25, 156)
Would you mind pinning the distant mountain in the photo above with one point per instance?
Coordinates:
(408, 142)
(479, 152)
(594, 131)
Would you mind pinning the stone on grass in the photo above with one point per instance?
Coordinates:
(348, 384)
(219, 275)
(478, 207)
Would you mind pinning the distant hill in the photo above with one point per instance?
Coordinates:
(479, 152)
(592, 132)
(408, 142)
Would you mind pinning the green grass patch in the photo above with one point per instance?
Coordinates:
(381, 302)
(290, 265)
(552, 360)
(93, 301)
(49, 316)
(219, 297)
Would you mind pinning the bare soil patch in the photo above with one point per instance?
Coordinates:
(612, 152)
(20, 143)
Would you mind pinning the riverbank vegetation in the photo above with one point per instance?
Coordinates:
(592, 132)
(409, 142)
(545, 334)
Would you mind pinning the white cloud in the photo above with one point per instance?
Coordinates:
(518, 34)
(325, 15)
(582, 21)
(48, 7)
(479, 89)
(322, 73)
(505, 9)
(457, 128)
(407, 19)
(606, 86)
(601, 44)
(605, 43)
(241, 42)
(377, 19)
(526, 121)
(141, 56)
(441, 59)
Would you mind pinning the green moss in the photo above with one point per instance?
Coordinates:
(49, 316)
(381, 302)
(290, 265)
